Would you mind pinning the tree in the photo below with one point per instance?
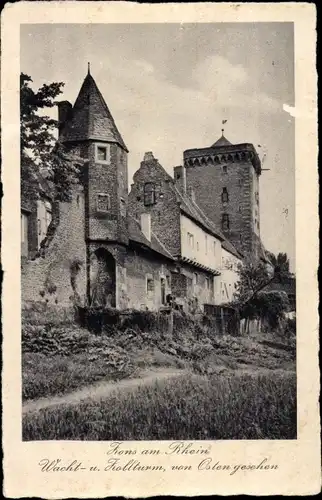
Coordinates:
(252, 301)
(42, 155)
(281, 265)
(253, 277)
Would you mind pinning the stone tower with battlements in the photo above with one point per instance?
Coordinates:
(225, 181)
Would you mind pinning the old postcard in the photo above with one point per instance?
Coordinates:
(160, 249)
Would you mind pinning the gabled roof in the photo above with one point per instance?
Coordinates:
(91, 118)
(222, 141)
(136, 235)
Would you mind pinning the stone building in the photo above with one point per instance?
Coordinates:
(170, 237)
(225, 179)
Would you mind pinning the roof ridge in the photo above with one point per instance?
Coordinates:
(161, 244)
(91, 118)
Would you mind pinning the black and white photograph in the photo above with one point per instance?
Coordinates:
(159, 249)
(158, 273)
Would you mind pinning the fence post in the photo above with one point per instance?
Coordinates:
(170, 325)
(222, 320)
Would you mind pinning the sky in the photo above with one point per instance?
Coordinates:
(169, 86)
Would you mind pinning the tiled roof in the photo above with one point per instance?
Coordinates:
(190, 208)
(136, 235)
(91, 118)
(221, 142)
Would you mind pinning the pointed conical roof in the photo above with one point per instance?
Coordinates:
(221, 142)
(91, 118)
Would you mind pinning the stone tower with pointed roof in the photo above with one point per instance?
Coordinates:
(89, 128)
(225, 180)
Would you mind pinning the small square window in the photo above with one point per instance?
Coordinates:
(224, 169)
(103, 202)
(102, 153)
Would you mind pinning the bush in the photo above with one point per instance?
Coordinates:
(184, 408)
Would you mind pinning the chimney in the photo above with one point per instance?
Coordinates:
(64, 113)
(146, 225)
(148, 156)
(180, 179)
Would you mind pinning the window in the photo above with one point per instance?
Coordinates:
(197, 246)
(225, 222)
(208, 283)
(224, 195)
(214, 248)
(149, 193)
(190, 238)
(224, 169)
(195, 279)
(102, 153)
(103, 202)
(149, 285)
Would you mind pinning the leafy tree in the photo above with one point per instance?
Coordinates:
(250, 299)
(253, 277)
(281, 265)
(42, 156)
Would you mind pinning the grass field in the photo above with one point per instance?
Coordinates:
(238, 388)
(44, 376)
(238, 406)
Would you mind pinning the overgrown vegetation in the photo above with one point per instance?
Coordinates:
(252, 301)
(58, 356)
(239, 406)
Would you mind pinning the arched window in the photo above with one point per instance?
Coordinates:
(149, 193)
(224, 195)
(225, 222)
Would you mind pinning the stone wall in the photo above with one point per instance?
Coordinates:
(108, 179)
(165, 212)
(192, 288)
(208, 180)
(139, 268)
(60, 271)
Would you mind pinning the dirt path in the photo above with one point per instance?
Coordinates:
(101, 390)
